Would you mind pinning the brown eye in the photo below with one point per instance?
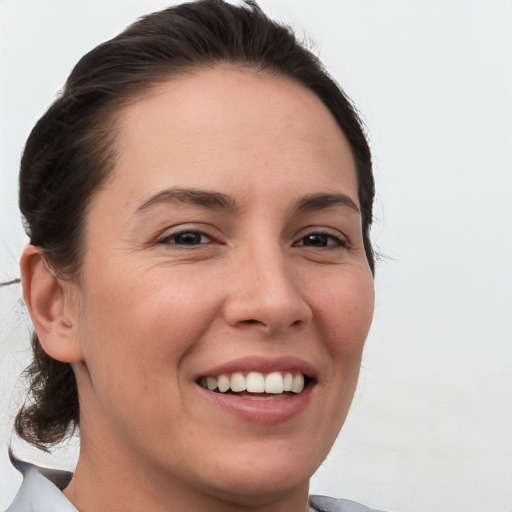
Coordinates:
(187, 238)
(320, 240)
(316, 240)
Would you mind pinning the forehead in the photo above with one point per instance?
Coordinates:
(220, 125)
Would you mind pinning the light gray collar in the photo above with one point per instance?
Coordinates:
(41, 490)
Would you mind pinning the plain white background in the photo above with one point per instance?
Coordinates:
(431, 424)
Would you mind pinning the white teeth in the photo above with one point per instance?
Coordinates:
(238, 382)
(298, 383)
(255, 382)
(287, 382)
(211, 383)
(223, 383)
(274, 383)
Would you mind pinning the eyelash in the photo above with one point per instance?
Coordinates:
(169, 238)
(323, 236)
(338, 241)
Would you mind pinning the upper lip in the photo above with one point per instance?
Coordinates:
(262, 365)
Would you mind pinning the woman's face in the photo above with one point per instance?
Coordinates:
(225, 250)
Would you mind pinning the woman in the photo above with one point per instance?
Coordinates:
(199, 273)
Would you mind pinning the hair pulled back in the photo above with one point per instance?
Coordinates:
(71, 150)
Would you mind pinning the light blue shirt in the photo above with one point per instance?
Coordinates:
(41, 492)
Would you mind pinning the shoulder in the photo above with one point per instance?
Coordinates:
(40, 490)
(327, 504)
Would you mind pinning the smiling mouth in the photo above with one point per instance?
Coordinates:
(256, 385)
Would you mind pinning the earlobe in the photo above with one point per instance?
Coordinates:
(48, 302)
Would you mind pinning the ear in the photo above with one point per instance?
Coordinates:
(49, 303)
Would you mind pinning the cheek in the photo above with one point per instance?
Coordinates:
(147, 321)
(135, 336)
(345, 312)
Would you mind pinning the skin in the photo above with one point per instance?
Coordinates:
(150, 314)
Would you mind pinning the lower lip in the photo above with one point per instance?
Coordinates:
(263, 412)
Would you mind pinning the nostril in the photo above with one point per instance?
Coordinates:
(252, 321)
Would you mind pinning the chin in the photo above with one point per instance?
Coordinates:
(265, 473)
(258, 486)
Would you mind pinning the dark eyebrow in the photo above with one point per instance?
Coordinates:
(323, 200)
(207, 198)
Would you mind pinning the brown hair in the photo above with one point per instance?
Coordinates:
(71, 150)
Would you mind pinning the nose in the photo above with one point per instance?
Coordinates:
(264, 293)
